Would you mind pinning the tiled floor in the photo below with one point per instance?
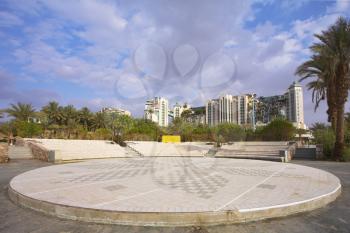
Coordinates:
(175, 184)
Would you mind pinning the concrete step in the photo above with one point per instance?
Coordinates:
(20, 152)
(132, 152)
(257, 157)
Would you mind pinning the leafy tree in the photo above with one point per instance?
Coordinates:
(278, 130)
(229, 132)
(143, 130)
(21, 111)
(27, 129)
(318, 125)
(102, 134)
(121, 125)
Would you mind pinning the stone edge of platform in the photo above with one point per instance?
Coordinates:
(170, 219)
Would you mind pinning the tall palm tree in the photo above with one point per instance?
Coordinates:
(54, 113)
(319, 68)
(21, 111)
(69, 113)
(85, 117)
(99, 120)
(334, 48)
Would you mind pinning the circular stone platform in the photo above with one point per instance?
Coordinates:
(175, 191)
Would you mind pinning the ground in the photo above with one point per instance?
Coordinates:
(332, 218)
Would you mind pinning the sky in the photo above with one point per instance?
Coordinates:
(121, 53)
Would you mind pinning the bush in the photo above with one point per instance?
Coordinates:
(278, 130)
(202, 133)
(346, 155)
(228, 132)
(102, 134)
(325, 137)
(28, 129)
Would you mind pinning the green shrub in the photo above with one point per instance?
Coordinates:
(28, 129)
(278, 130)
(228, 132)
(346, 155)
(102, 134)
(325, 137)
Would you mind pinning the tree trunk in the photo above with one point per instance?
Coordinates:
(339, 135)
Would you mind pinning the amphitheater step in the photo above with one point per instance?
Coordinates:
(132, 152)
(258, 157)
(20, 152)
(211, 153)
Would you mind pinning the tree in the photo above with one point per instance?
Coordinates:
(21, 111)
(99, 120)
(278, 130)
(121, 124)
(334, 48)
(323, 87)
(27, 129)
(54, 113)
(229, 132)
(69, 113)
(85, 117)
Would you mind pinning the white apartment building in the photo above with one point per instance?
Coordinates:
(212, 112)
(228, 108)
(178, 109)
(295, 106)
(116, 110)
(157, 110)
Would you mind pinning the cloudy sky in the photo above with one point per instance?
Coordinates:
(119, 53)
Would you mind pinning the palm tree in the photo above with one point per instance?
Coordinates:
(21, 111)
(334, 50)
(69, 113)
(85, 117)
(53, 112)
(99, 120)
(322, 86)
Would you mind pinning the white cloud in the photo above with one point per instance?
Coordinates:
(9, 20)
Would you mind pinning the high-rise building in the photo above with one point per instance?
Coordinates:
(228, 108)
(289, 105)
(212, 112)
(118, 111)
(157, 110)
(295, 108)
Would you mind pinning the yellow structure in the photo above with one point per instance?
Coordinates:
(171, 138)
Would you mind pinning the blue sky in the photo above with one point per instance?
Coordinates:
(119, 53)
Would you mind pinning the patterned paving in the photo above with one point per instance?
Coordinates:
(175, 184)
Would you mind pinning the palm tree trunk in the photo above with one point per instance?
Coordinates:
(339, 136)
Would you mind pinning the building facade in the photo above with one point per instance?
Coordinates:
(289, 106)
(157, 110)
(295, 108)
(228, 109)
(178, 109)
(118, 111)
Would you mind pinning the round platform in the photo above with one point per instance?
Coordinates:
(174, 191)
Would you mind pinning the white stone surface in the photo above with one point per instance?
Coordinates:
(170, 149)
(175, 184)
(82, 149)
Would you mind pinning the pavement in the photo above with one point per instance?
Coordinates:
(333, 218)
